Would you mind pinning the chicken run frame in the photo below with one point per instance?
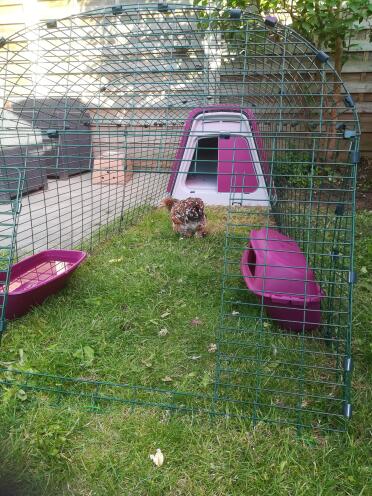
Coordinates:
(93, 113)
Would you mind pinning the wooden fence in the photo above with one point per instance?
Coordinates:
(357, 75)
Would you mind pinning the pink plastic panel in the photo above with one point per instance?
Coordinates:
(234, 157)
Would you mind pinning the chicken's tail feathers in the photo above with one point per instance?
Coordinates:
(168, 202)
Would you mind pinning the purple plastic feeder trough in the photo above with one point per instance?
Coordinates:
(275, 269)
(37, 277)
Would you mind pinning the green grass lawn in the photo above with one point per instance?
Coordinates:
(143, 310)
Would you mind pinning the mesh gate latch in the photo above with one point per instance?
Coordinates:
(352, 277)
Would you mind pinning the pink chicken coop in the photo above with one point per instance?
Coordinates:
(221, 158)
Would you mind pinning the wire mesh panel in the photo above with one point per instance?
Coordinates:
(106, 113)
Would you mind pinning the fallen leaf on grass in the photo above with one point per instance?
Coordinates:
(115, 260)
(21, 395)
(195, 357)
(22, 357)
(212, 348)
(94, 300)
(158, 458)
(206, 380)
(234, 312)
(165, 314)
(163, 332)
(147, 364)
(165, 416)
(196, 321)
(167, 379)
(191, 374)
(85, 354)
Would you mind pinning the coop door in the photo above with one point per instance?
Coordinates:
(236, 171)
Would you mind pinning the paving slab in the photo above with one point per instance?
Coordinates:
(70, 211)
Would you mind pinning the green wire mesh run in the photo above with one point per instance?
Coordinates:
(93, 112)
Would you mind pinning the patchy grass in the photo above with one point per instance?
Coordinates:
(116, 305)
(139, 311)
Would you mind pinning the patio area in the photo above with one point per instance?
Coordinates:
(69, 211)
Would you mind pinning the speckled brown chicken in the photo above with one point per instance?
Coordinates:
(188, 217)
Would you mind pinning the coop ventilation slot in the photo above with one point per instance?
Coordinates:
(251, 260)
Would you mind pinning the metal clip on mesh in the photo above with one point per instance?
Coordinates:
(352, 277)
(350, 134)
(271, 21)
(349, 102)
(117, 10)
(235, 13)
(52, 133)
(355, 156)
(347, 410)
(322, 57)
(51, 24)
(163, 6)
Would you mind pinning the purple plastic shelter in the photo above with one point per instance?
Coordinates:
(275, 269)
